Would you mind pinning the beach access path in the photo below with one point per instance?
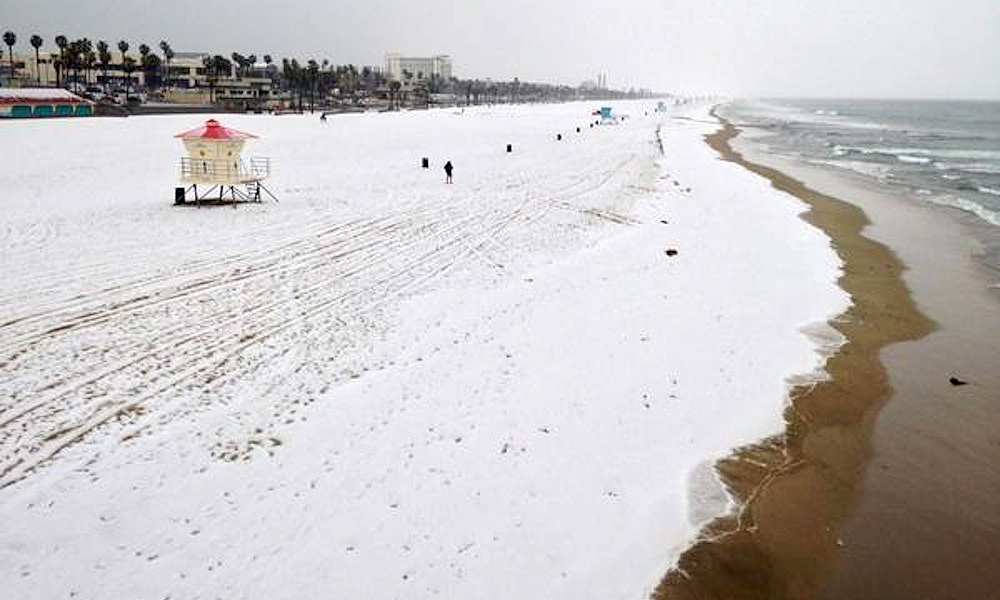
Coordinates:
(384, 386)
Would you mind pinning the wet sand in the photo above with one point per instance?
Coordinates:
(799, 488)
(928, 521)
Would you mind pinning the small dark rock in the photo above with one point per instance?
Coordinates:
(956, 381)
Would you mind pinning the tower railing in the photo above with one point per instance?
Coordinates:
(225, 171)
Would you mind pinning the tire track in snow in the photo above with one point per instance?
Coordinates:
(364, 266)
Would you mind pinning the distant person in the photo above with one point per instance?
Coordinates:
(447, 172)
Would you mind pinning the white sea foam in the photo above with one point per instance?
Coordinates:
(977, 167)
(707, 496)
(828, 341)
(989, 190)
(922, 152)
(990, 216)
(878, 171)
(921, 160)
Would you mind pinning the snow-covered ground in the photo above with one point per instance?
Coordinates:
(384, 386)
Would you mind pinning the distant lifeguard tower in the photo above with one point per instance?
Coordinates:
(606, 117)
(215, 163)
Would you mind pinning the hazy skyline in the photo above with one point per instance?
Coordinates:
(843, 48)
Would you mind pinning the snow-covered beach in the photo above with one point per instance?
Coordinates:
(384, 386)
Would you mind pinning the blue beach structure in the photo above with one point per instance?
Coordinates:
(607, 118)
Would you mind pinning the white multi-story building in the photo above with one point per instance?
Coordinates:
(397, 67)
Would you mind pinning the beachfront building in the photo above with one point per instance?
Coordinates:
(188, 82)
(184, 81)
(27, 71)
(42, 102)
(413, 71)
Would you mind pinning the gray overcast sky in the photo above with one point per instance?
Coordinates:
(870, 48)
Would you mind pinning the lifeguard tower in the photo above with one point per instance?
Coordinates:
(215, 163)
(606, 117)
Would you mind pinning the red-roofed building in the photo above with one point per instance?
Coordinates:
(42, 102)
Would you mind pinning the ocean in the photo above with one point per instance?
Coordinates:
(942, 152)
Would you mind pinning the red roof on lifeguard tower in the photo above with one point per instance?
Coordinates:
(213, 130)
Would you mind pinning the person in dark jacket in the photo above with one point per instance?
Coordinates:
(447, 172)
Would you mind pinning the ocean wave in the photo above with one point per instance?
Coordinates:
(990, 216)
(984, 168)
(977, 155)
(880, 172)
(889, 153)
(988, 190)
(920, 160)
(794, 114)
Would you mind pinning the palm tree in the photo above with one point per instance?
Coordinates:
(62, 42)
(294, 77)
(123, 48)
(312, 71)
(89, 60)
(73, 60)
(168, 53)
(209, 66)
(268, 60)
(366, 75)
(128, 66)
(86, 58)
(78, 50)
(143, 53)
(239, 61)
(215, 66)
(150, 65)
(394, 85)
(409, 82)
(36, 43)
(69, 61)
(9, 38)
(104, 58)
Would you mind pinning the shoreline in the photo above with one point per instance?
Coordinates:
(931, 493)
(798, 487)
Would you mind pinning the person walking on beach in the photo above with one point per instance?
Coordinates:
(447, 172)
